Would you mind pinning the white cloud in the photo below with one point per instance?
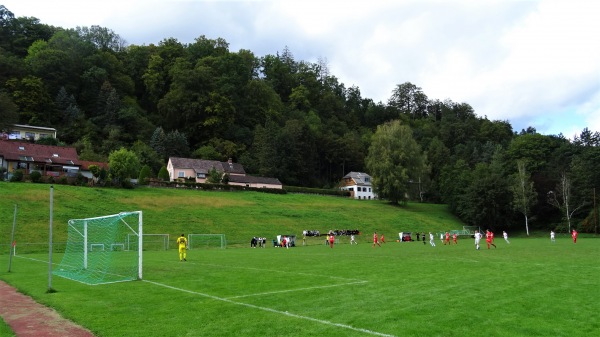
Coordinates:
(534, 63)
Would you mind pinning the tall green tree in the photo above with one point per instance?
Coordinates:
(524, 195)
(394, 160)
(124, 165)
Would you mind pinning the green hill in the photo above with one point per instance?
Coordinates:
(238, 215)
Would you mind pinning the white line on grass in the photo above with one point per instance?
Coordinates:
(277, 271)
(300, 289)
(374, 333)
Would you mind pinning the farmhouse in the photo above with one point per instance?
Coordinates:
(198, 170)
(49, 160)
(359, 185)
(28, 132)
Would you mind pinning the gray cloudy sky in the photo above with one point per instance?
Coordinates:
(533, 63)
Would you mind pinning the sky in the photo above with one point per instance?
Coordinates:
(531, 63)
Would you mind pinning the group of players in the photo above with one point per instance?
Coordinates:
(379, 239)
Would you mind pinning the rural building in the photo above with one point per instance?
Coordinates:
(28, 132)
(198, 170)
(49, 160)
(359, 185)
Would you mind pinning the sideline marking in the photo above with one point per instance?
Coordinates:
(299, 289)
(375, 333)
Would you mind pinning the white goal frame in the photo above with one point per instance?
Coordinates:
(166, 239)
(87, 246)
(221, 237)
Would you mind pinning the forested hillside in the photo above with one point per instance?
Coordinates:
(290, 119)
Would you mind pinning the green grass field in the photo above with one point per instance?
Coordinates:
(528, 288)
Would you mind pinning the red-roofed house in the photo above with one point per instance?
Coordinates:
(47, 159)
(198, 169)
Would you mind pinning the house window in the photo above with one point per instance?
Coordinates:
(369, 189)
(21, 148)
(351, 189)
(55, 155)
(201, 175)
(181, 174)
(43, 135)
(367, 179)
(30, 135)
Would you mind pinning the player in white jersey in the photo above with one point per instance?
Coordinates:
(477, 239)
(505, 235)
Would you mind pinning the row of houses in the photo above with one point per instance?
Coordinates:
(58, 161)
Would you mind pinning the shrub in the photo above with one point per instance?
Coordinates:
(35, 176)
(17, 176)
(163, 174)
(145, 174)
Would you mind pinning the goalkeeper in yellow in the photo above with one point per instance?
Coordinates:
(182, 242)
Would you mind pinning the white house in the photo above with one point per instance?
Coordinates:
(359, 185)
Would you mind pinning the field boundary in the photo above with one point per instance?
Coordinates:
(27, 317)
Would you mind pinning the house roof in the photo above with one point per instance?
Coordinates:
(85, 165)
(359, 178)
(48, 154)
(254, 180)
(204, 166)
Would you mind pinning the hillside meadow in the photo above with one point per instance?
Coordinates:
(238, 215)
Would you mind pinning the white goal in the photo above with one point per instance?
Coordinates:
(199, 241)
(90, 256)
(152, 241)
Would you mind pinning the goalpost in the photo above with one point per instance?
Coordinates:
(95, 251)
(197, 241)
(151, 241)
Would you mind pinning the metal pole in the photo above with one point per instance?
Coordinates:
(12, 240)
(595, 214)
(50, 241)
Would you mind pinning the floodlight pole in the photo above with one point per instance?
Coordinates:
(12, 240)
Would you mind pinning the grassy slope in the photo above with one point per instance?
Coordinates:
(238, 215)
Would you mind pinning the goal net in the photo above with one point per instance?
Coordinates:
(102, 250)
(198, 241)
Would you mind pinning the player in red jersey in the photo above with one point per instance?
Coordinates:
(447, 239)
(454, 238)
(375, 240)
(489, 239)
(574, 236)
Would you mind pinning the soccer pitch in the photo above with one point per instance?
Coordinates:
(530, 287)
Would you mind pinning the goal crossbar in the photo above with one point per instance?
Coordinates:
(196, 241)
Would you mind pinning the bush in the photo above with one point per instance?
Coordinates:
(35, 176)
(17, 176)
(163, 174)
(145, 174)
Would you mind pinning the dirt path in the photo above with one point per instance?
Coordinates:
(26, 317)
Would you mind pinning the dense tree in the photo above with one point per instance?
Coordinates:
(124, 165)
(278, 116)
(394, 160)
(8, 112)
